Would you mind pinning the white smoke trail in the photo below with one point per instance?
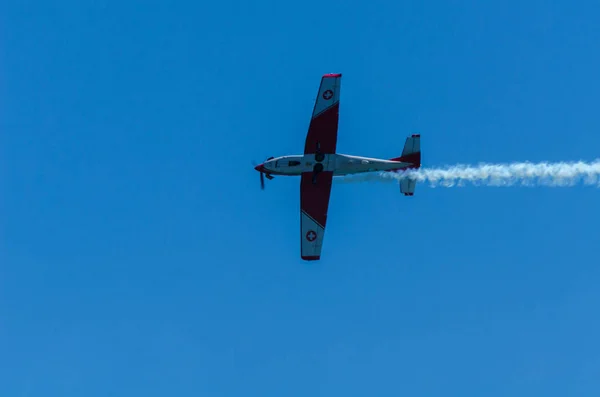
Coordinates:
(524, 174)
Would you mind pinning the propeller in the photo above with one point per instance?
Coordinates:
(263, 174)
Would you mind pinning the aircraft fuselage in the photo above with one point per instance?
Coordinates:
(340, 164)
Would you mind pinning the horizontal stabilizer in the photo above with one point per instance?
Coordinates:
(410, 154)
(412, 145)
(407, 186)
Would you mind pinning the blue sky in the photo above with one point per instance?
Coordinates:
(139, 256)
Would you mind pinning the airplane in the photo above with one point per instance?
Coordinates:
(320, 163)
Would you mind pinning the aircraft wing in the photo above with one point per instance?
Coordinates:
(323, 128)
(314, 202)
(315, 186)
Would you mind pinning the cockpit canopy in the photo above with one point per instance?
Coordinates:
(284, 162)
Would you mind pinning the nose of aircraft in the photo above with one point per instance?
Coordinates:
(260, 167)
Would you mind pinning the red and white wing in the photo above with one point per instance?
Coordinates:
(314, 202)
(314, 197)
(324, 123)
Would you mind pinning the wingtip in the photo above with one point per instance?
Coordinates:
(332, 75)
(311, 258)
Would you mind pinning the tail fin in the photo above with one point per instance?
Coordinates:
(411, 154)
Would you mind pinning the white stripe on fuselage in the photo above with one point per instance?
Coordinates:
(340, 164)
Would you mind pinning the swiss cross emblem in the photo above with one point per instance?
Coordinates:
(311, 235)
(327, 95)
